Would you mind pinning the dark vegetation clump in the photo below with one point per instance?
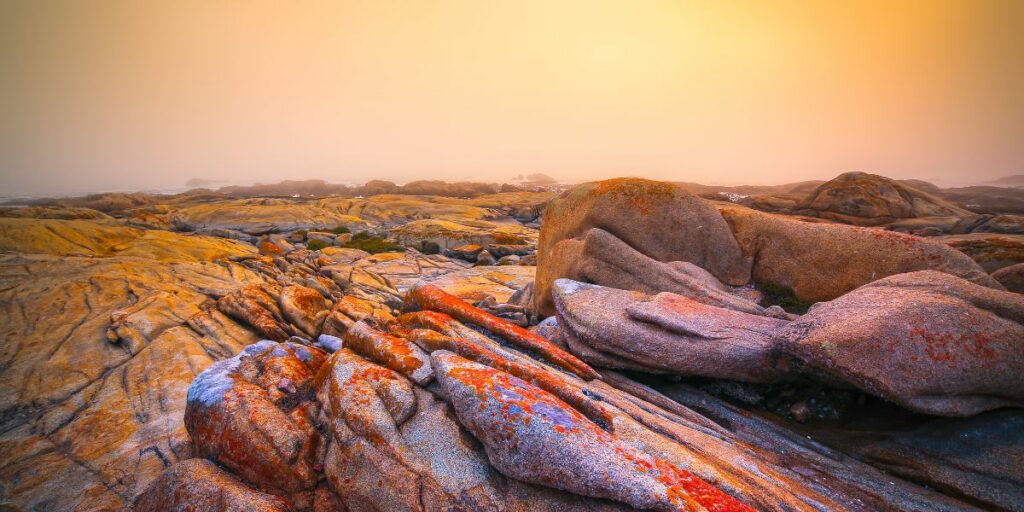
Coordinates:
(340, 230)
(784, 298)
(372, 244)
(428, 247)
(316, 245)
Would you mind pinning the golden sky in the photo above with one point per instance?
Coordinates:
(134, 94)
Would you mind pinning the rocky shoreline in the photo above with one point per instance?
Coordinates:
(667, 352)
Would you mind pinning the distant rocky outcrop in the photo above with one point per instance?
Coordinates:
(870, 200)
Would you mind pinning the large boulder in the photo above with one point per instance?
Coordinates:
(871, 200)
(254, 414)
(926, 340)
(818, 261)
(660, 220)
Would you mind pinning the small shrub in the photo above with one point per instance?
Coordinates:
(372, 244)
(784, 298)
(316, 245)
(340, 230)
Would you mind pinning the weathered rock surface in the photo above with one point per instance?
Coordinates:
(659, 220)
(991, 251)
(870, 200)
(260, 216)
(532, 436)
(254, 414)
(817, 262)
(198, 484)
(928, 341)
(98, 355)
(101, 239)
(665, 333)
(1011, 277)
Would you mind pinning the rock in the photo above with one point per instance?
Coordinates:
(511, 259)
(261, 216)
(962, 456)
(198, 484)
(532, 436)
(50, 212)
(343, 239)
(305, 308)
(484, 259)
(98, 239)
(1011, 277)
(659, 220)
(1005, 224)
(457, 232)
(350, 310)
(528, 260)
(256, 306)
(466, 252)
(665, 333)
(397, 354)
(928, 341)
(240, 417)
(870, 200)
(991, 251)
(328, 343)
(502, 250)
(99, 354)
(327, 238)
(783, 262)
(427, 296)
(477, 283)
(601, 258)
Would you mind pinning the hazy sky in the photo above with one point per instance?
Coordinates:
(103, 95)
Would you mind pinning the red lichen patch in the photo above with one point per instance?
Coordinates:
(433, 298)
(431, 341)
(396, 353)
(519, 403)
(270, 248)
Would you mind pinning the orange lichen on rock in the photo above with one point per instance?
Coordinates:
(398, 354)
(531, 435)
(426, 296)
(431, 341)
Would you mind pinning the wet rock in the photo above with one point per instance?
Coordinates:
(789, 255)
(240, 416)
(198, 484)
(657, 219)
(532, 436)
(1011, 277)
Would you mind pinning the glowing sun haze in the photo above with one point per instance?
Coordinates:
(101, 95)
